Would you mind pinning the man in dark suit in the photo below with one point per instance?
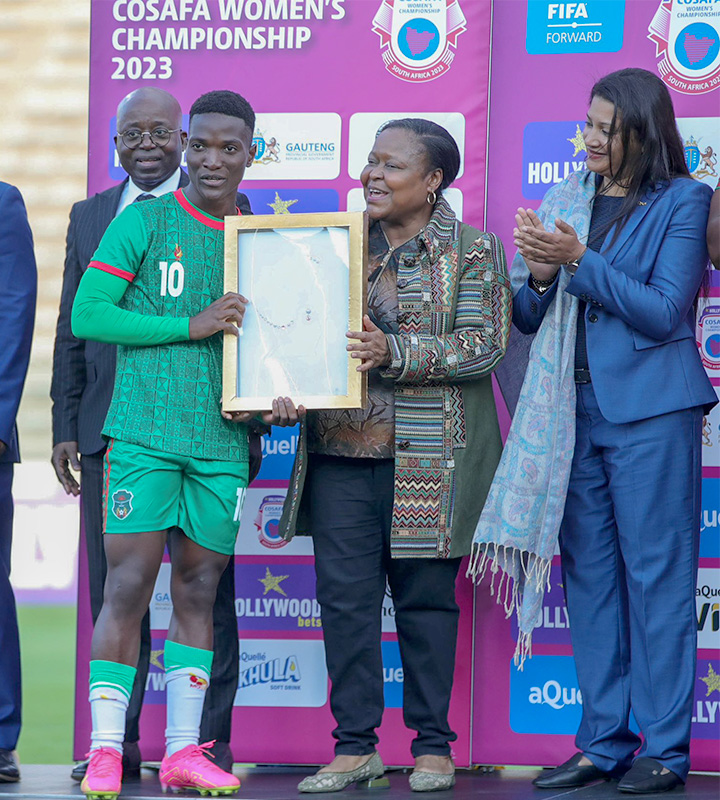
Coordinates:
(18, 289)
(150, 143)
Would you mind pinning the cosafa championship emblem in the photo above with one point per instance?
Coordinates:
(122, 503)
(687, 41)
(418, 40)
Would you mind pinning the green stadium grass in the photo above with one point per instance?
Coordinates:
(47, 643)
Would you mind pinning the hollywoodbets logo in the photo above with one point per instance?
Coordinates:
(273, 597)
(554, 625)
(706, 700)
(551, 152)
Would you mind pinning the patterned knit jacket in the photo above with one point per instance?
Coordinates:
(455, 311)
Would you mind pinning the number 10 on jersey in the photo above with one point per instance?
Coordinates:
(172, 279)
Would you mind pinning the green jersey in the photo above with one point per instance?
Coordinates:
(167, 395)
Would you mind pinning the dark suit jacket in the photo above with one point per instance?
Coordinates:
(84, 371)
(18, 293)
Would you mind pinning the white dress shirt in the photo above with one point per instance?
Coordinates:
(131, 191)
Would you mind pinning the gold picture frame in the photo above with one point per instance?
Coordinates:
(305, 278)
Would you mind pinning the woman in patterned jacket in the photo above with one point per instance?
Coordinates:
(392, 492)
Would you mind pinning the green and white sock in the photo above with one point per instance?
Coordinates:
(187, 677)
(110, 688)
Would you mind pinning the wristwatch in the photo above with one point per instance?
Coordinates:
(572, 266)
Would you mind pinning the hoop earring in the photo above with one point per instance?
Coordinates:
(434, 198)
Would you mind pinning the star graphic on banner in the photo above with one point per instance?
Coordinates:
(281, 206)
(272, 582)
(155, 658)
(712, 680)
(577, 141)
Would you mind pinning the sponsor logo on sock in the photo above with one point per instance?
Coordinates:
(196, 682)
(122, 503)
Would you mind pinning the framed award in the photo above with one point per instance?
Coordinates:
(304, 276)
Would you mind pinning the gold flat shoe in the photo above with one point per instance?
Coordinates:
(337, 781)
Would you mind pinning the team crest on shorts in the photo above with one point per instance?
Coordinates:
(122, 503)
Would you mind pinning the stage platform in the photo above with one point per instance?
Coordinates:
(279, 783)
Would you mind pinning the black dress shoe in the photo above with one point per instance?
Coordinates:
(9, 770)
(79, 770)
(130, 762)
(570, 774)
(223, 756)
(645, 777)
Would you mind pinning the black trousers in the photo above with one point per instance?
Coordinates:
(351, 506)
(217, 711)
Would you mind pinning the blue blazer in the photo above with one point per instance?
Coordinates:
(639, 317)
(18, 291)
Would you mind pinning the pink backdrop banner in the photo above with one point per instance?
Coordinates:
(545, 58)
(322, 76)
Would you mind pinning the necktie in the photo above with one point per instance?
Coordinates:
(141, 197)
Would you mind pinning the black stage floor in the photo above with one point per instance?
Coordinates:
(279, 783)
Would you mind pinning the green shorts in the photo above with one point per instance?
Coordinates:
(148, 490)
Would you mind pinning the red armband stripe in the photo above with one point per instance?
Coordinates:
(121, 273)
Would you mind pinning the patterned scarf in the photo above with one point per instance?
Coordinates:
(518, 529)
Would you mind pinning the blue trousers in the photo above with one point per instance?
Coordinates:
(629, 545)
(10, 688)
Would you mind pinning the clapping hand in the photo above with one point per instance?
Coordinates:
(283, 414)
(373, 349)
(542, 250)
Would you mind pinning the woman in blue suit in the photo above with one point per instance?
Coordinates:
(634, 258)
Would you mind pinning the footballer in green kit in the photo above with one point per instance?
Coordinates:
(174, 462)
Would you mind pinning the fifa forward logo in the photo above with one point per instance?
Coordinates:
(418, 45)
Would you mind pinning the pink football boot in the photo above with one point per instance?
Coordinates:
(191, 768)
(103, 777)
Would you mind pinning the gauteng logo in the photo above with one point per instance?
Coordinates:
(701, 163)
(268, 150)
(687, 40)
(122, 503)
(416, 38)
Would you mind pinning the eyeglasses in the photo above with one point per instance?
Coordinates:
(133, 138)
